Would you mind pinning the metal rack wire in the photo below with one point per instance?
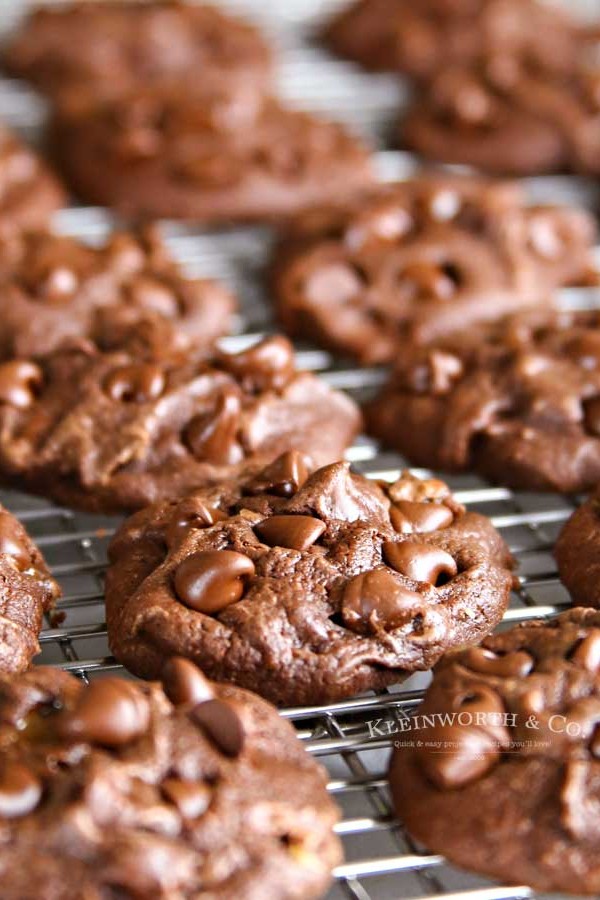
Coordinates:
(381, 861)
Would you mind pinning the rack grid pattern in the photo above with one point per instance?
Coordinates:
(381, 861)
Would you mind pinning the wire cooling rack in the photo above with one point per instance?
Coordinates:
(381, 861)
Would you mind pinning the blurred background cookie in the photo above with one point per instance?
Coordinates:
(413, 261)
(109, 48)
(213, 158)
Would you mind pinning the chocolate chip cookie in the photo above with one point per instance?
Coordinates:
(110, 48)
(27, 591)
(506, 117)
(308, 588)
(29, 191)
(193, 789)
(415, 260)
(422, 38)
(110, 431)
(212, 159)
(577, 553)
(506, 781)
(516, 401)
(56, 288)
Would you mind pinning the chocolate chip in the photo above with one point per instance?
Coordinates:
(587, 653)
(56, 284)
(19, 382)
(472, 749)
(284, 477)
(374, 601)
(212, 436)
(469, 756)
(420, 562)
(293, 532)
(191, 798)
(424, 280)
(211, 580)
(137, 383)
(333, 283)
(20, 791)
(511, 665)
(268, 365)
(11, 544)
(152, 294)
(189, 515)
(420, 518)
(591, 414)
(222, 725)
(111, 712)
(184, 683)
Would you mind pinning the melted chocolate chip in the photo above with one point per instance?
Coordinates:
(420, 518)
(294, 532)
(11, 544)
(222, 725)
(587, 653)
(511, 665)
(427, 281)
(20, 791)
(268, 365)
(420, 562)
(139, 383)
(375, 601)
(284, 477)
(19, 381)
(191, 798)
(184, 683)
(336, 282)
(111, 712)
(192, 514)
(211, 580)
(213, 436)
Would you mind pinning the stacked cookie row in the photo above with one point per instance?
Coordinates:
(254, 552)
(508, 86)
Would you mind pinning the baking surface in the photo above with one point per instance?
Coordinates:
(349, 738)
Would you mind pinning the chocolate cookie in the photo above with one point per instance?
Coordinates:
(426, 37)
(517, 402)
(506, 780)
(505, 117)
(110, 431)
(109, 48)
(193, 790)
(29, 191)
(307, 589)
(56, 288)
(26, 592)
(210, 159)
(577, 553)
(416, 260)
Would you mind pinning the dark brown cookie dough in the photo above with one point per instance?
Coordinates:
(57, 288)
(109, 48)
(416, 260)
(114, 790)
(504, 117)
(210, 159)
(422, 38)
(27, 591)
(110, 431)
(516, 401)
(495, 795)
(307, 589)
(29, 190)
(577, 553)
